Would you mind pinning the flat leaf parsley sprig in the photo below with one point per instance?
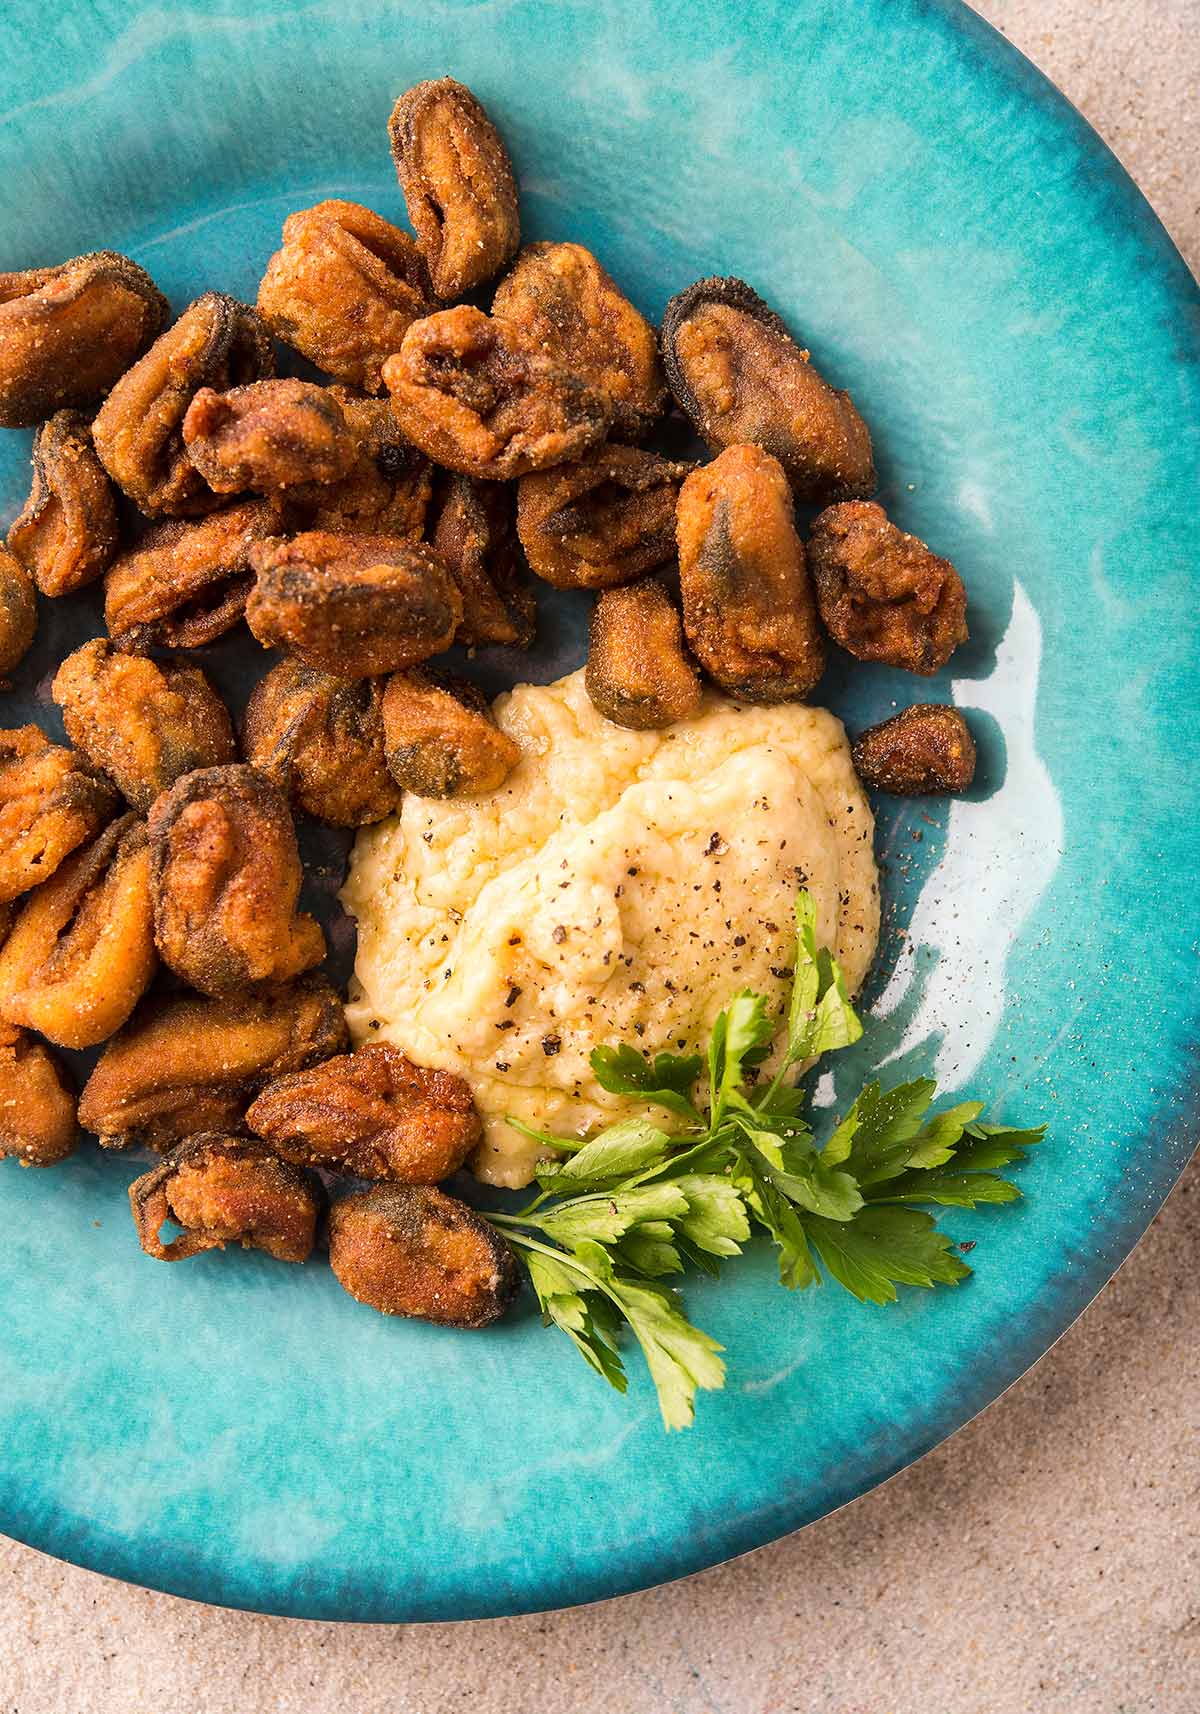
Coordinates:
(618, 1214)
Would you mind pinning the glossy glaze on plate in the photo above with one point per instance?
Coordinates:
(961, 252)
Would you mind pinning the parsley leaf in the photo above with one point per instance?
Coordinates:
(680, 1358)
(820, 1016)
(968, 1175)
(884, 1247)
(715, 1220)
(609, 1216)
(882, 1128)
(773, 1212)
(741, 1038)
(593, 1334)
(629, 1146)
(948, 1188)
(938, 1138)
(996, 1145)
(666, 1080)
(803, 1176)
(650, 1249)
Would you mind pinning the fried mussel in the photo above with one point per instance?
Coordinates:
(138, 432)
(885, 596)
(736, 371)
(388, 487)
(80, 953)
(352, 605)
(748, 607)
(440, 739)
(412, 1250)
(475, 537)
(457, 182)
(372, 1114)
(187, 581)
(38, 1126)
(925, 748)
(477, 396)
(320, 739)
(564, 302)
(185, 1064)
(68, 332)
(268, 436)
(225, 876)
(50, 803)
(344, 289)
(143, 723)
(607, 519)
(18, 611)
(68, 533)
(220, 1190)
(638, 672)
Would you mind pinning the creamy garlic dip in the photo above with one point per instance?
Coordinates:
(619, 887)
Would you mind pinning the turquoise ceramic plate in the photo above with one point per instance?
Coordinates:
(963, 254)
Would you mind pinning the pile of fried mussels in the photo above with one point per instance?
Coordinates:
(360, 528)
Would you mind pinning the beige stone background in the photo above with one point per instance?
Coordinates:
(1047, 1558)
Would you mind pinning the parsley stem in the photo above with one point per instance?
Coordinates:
(552, 1250)
(521, 1219)
(542, 1196)
(764, 1098)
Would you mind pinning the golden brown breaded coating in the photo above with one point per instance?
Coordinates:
(352, 605)
(925, 748)
(225, 878)
(386, 491)
(412, 1250)
(564, 302)
(607, 519)
(321, 740)
(224, 1190)
(475, 396)
(884, 596)
(638, 672)
(187, 581)
(740, 376)
(50, 803)
(138, 431)
(68, 332)
(37, 1107)
(187, 1064)
(748, 607)
(458, 184)
(141, 722)
(268, 436)
(344, 289)
(476, 537)
(440, 739)
(69, 532)
(371, 1113)
(18, 611)
(80, 954)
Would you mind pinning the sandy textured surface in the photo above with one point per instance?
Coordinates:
(1047, 1558)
